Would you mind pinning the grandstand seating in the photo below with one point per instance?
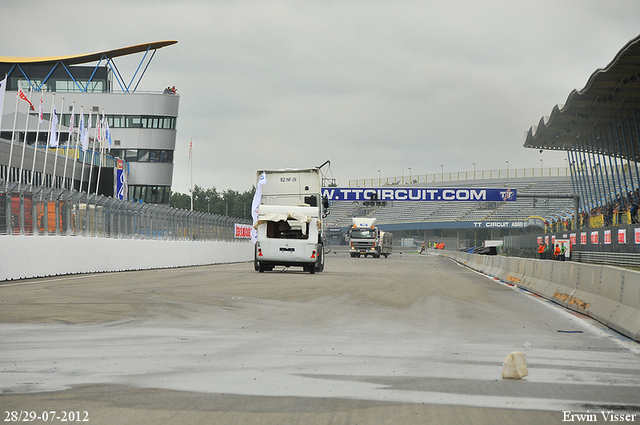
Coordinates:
(443, 211)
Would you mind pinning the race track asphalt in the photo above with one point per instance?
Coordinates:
(411, 339)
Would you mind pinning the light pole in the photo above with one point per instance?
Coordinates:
(441, 173)
(474, 170)
(507, 161)
(541, 166)
(410, 181)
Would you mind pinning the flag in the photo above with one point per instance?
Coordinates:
(190, 147)
(255, 204)
(98, 129)
(41, 112)
(3, 84)
(85, 140)
(83, 131)
(73, 113)
(54, 129)
(24, 97)
(107, 133)
(102, 133)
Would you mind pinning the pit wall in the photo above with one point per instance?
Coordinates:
(610, 295)
(38, 256)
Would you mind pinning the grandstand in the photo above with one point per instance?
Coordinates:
(464, 214)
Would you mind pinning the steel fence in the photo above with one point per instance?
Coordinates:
(39, 210)
(462, 176)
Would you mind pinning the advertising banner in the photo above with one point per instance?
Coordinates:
(121, 180)
(622, 236)
(418, 194)
(243, 231)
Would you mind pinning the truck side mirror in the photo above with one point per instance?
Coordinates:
(325, 202)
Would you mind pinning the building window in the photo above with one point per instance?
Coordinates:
(143, 155)
(150, 194)
(134, 122)
(131, 155)
(131, 121)
(116, 121)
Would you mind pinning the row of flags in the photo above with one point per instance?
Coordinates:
(103, 132)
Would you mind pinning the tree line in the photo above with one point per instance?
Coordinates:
(229, 202)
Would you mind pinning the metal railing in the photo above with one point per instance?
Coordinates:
(463, 176)
(620, 259)
(26, 210)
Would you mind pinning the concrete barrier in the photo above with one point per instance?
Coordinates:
(38, 256)
(608, 294)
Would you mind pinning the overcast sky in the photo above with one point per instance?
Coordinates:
(368, 85)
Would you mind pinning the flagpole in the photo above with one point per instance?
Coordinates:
(100, 150)
(78, 136)
(93, 153)
(13, 132)
(26, 129)
(66, 147)
(46, 149)
(191, 161)
(55, 162)
(35, 145)
(2, 91)
(85, 146)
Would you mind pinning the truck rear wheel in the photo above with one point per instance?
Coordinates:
(319, 267)
(256, 263)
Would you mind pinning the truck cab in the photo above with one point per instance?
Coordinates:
(366, 239)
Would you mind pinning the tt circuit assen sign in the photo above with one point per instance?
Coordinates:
(418, 194)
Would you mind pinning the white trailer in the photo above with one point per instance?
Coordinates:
(289, 220)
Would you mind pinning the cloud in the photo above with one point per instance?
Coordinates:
(369, 85)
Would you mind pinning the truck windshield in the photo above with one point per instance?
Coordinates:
(363, 234)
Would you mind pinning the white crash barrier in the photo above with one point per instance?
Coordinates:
(609, 294)
(38, 256)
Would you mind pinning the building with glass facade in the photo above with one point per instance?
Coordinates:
(142, 124)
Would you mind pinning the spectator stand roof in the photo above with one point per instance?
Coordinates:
(611, 95)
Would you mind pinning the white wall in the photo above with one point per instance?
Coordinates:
(35, 256)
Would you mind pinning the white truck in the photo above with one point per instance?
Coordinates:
(366, 239)
(289, 217)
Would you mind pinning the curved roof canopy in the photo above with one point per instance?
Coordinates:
(610, 94)
(90, 57)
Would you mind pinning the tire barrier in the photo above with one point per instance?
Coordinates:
(608, 294)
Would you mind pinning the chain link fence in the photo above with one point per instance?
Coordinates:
(39, 210)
